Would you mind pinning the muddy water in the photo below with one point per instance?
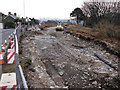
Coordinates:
(61, 60)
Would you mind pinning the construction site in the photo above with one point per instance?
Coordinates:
(64, 60)
(60, 45)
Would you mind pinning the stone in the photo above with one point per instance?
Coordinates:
(95, 82)
(51, 86)
(89, 68)
(61, 72)
(100, 72)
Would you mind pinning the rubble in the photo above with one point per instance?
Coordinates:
(95, 82)
(59, 64)
(102, 73)
(61, 72)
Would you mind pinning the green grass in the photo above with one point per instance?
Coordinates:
(32, 69)
(8, 68)
(25, 63)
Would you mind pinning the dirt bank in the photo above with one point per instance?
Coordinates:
(111, 45)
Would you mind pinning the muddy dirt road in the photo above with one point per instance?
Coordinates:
(60, 60)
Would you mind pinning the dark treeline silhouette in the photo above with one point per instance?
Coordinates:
(78, 13)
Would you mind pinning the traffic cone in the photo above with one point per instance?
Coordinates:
(1, 58)
(5, 41)
(13, 38)
(9, 36)
(2, 47)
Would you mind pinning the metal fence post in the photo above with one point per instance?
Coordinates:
(18, 69)
(16, 64)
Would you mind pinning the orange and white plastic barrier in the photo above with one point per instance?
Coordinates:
(5, 41)
(12, 45)
(2, 47)
(8, 81)
(1, 58)
(11, 56)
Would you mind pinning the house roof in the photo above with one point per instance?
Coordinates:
(1, 13)
(11, 15)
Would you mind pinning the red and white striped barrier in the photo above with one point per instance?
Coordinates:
(9, 87)
(11, 56)
(12, 45)
(8, 81)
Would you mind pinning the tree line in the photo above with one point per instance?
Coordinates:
(93, 12)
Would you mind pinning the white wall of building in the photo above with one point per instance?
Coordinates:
(1, 25)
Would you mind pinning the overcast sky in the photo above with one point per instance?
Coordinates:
(40, 8)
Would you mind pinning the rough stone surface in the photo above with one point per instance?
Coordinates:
(60, 62)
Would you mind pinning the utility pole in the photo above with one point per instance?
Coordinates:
(24, 7)
(119, 7)
(24, 12)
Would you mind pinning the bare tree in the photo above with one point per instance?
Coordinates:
(95, 11)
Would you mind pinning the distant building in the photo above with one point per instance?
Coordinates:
(72, 21)
(10, 17)
(9, 20)
(1, 19)
(81, 22)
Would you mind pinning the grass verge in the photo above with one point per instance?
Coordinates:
(25, 63)
(8, 68)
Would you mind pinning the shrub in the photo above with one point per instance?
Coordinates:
(117, 32)
(107, 30)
